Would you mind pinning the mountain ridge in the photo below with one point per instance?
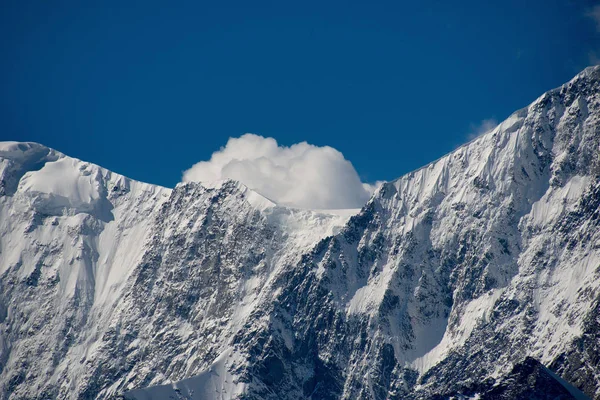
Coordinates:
(445, 284)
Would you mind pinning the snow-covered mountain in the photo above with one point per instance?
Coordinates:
(476, 276)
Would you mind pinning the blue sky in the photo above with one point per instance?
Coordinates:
(149, 88)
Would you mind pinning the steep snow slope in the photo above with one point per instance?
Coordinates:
(108, 283)
(449, 278)
(457, 279)
(70, 236)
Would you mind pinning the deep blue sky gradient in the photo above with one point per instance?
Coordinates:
(147, 88)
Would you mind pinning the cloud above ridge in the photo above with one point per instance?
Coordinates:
(302, 175)
(481, 128)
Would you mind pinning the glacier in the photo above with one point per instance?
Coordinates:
(476, 276)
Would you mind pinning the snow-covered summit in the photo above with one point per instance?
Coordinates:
(20, 151)
(76, 240)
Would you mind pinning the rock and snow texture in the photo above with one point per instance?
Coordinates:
(109, 284)
(476, 276)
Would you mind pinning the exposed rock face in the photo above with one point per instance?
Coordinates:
(461, 279)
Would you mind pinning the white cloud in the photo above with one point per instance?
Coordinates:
(481, 128)
(372, 187)
(594, 13)
(301, 175)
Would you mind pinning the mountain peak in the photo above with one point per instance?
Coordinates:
(474, 276)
